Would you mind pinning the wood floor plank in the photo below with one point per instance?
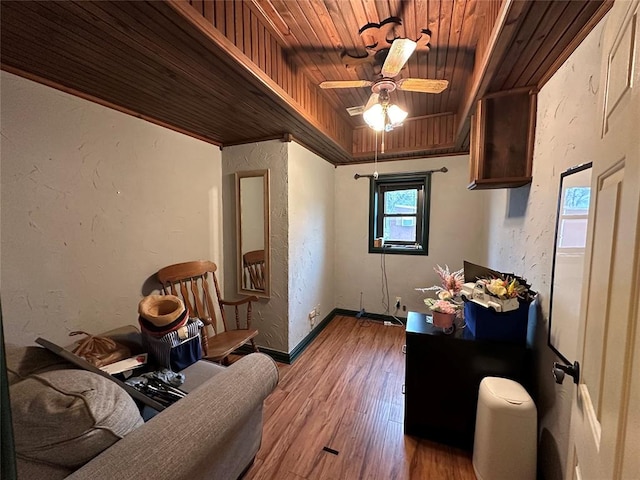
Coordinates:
(272, 403)
(441, 461)
(279, 427)
(350, 445)
(396, 413)
(374, 436)
(330, 465)
(345, 392)
(401, 448)
(319, 424)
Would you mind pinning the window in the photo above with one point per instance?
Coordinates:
(399, 214)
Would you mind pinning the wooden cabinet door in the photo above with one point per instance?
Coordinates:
(501, 142)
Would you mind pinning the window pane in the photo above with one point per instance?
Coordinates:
(576, 201)
(401, 229)
(573, 233)
(401, 201)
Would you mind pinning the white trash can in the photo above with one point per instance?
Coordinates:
(505, 441)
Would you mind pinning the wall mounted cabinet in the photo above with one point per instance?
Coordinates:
(502, 134)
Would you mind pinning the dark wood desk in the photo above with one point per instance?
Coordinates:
(443, 374)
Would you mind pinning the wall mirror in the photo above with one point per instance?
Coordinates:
(252, 232)
(574, 200)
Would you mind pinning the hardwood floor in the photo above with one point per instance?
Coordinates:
(345, 393)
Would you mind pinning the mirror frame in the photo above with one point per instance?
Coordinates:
(552, 341)
(267, 227)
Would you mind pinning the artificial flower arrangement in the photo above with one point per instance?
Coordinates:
(508, 287)
(499, 293)
(442, 306)
(496, 304)
(448, 292)
(504, 288)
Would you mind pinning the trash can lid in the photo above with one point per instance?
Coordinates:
(506, 389)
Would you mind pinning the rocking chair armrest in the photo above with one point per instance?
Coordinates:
(242, 301)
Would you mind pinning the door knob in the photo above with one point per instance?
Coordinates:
(560, 370)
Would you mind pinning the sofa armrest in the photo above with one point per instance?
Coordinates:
(214, 432)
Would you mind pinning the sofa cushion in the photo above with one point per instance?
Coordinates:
(66, 417)
(24, 361)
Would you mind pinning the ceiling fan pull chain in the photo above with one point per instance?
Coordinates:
(375, 156)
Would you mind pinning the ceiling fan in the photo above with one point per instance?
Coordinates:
(393, 59)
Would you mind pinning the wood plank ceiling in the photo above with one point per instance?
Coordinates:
(232, 72)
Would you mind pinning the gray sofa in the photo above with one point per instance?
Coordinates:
(69, 423)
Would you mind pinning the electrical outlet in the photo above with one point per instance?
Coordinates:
(312, 314)
(398, 300)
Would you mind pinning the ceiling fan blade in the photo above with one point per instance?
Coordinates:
(346, 84)
(424, 85)
(373, 99)
(400, 51)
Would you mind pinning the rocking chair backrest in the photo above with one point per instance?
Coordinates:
(189, 281)
(254, 263)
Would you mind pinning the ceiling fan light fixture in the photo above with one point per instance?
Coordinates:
(396, 115)
(375, 117)
(384, 116)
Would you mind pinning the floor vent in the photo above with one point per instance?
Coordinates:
(330, 450)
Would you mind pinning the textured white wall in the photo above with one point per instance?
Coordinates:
(522, 222)
(311, 240)
(270, 315)
(457, 232)
(94, 202)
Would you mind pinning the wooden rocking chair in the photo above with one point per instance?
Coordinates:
(189, 281)
(253, 262)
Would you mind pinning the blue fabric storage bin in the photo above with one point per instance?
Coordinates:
(172, 351)
(485, 324)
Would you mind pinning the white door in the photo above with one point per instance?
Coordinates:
(605, 418)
